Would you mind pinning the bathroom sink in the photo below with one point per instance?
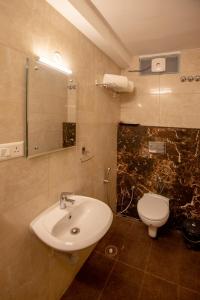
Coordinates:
(75, 227)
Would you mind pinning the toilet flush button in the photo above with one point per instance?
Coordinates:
(157, 147)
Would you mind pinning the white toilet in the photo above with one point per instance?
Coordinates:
(153, 210)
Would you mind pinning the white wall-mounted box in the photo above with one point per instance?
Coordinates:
(11, 150)
(158, 64)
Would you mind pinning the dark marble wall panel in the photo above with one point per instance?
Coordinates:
(69, 134)
(174, 174)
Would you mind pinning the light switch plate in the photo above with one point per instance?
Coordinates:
(4, 152)
(11, 150)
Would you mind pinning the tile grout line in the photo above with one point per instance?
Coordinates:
(152, 274)
(188, 289)
(148, 257)
(178, 292)
(141, 287)
(116, 260)
(130, 266)
(48, 192)
(161, 278)
(144, 271)
(149, 273)
(159, 100)
(107, 279)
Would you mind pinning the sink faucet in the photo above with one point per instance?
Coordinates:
(64, 197)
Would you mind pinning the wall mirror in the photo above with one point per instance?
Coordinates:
(51, 98)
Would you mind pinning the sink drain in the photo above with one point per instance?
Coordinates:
(75, 230)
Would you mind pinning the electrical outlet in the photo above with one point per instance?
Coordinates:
(11, 150)
(17, 149)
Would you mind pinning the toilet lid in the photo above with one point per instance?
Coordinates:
(153, 207)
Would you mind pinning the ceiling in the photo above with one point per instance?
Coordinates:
(153, 26)
(123, 28)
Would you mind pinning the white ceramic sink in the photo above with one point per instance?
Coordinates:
(90, 217)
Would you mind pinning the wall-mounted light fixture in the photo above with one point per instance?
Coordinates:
(54, 65)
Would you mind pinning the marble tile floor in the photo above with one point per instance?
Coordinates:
(139, 267)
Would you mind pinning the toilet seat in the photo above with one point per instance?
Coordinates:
(153, 207)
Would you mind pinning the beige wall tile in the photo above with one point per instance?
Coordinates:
(143, 110)
(31, 269)
(180, 110)
(190, 61)
(22, 181)
(62, 173)
(5, 292)
(12, 121)
(12, 95)
(177, 102)
(171, 84)
(144, 84)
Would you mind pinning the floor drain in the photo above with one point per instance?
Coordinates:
(75, 230)
(111, 251)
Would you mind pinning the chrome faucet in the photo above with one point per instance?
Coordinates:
(64, 197)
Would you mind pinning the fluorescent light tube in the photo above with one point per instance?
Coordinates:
(54, 65)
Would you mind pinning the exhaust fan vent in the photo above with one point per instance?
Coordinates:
(171, 62)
